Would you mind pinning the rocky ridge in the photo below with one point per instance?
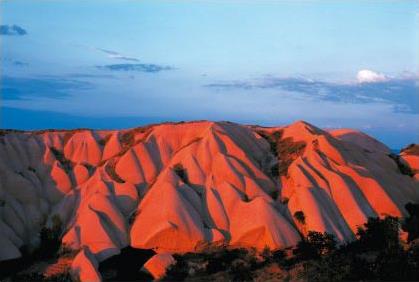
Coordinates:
(179, 187)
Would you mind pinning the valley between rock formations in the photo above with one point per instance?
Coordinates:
(180, 187)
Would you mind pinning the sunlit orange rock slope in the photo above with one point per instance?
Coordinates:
(181, 187)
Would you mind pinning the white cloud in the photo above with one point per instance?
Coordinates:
(367, 76)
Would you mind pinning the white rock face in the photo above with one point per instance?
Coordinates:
(182, 187)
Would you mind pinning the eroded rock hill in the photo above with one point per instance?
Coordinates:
(181, 187)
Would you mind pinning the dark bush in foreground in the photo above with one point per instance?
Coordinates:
(316, 244)
(376, 254)
(126, 266)
(378, 234)
(38, 277)
(237, 264)
(411, 223)
(50, 239)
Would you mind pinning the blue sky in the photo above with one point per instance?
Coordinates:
(117, 64)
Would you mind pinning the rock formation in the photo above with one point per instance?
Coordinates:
(179, 187)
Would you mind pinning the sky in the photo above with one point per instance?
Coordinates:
(118, 64)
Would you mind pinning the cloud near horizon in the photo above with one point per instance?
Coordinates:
(12, 30)
(148, 68)
(368, 76)
(401, 93)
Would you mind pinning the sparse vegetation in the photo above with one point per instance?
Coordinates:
(403, 167)
(50, 239)
(275, 170)
(285, 200)
(65, 163)
(376, 254)
(128, 138)
(315, 245)
(90, 168)
(39, 277)
(132, 216)
(300, 217)
(31, 266)
(181, 172)
(379, 234)
(30, 168)
(110, 170)
(411, 223)
(233, 264)
(274, 194)
(126, 266)
(412, 149)
(67, 136)
(102, 142)
(285, 149)
(272, 139)
(4, 132)
(245, 198)
(288, 151)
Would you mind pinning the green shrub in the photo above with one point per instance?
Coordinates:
(238, 264)
(333, 267)
(50, 239)
(300, 217)
(240, 270)
(128, 139)
(272, 139)
(220, 259)
(403, 168)
(392, 264)
(30, 168)
(378, 234)
(411, 223)
(181, 172)
(110, 170)
(274, 194)
(132, 216)
(279, 256)
(179, 271)
(65, 163)
(287, 152)
(315, 245)
(285, 149)
(245, 198)
(90, 168)
(275, 170)
(39, 277)
(285, 200)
